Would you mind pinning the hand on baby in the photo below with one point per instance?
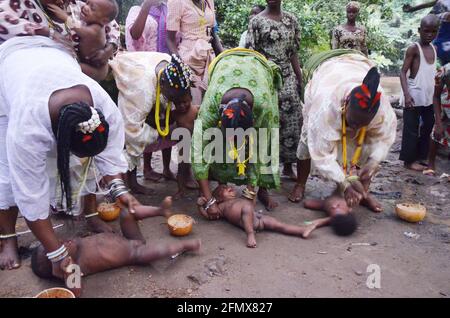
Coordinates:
(59, 13)
(130, 202)
(212, 213)
(354, 193)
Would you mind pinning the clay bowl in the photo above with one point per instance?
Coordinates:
(411, 212)
(180, 224)
(56, 292)
(108, 211)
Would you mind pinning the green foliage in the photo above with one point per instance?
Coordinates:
(389, 29)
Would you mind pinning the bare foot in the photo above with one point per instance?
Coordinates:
(166, 207)
(415, 166)
(429, 172)
(297, 193)
(181, 193)
(96, 225)
(140, 189)
(168, 175)
(9, 255)
(251, 240)
(289, 172)
(372, 204)
(266, 199)
(308, 230)
(185, 177)
(152, 175)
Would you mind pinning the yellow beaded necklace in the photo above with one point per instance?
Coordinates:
(158, 106)
(360, 141)
(234, 154)
(202, 13)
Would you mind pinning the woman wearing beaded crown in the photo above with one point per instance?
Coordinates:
(149, 84)
(48, 111)
(348, 122)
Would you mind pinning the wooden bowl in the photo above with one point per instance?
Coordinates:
(108, 211)
(180, 224)
(56, 292)
(411, 212)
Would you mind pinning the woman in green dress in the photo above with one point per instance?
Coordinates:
(242, 93)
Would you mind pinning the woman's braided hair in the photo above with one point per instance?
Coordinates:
(84, 141)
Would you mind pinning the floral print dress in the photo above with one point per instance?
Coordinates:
(278, 41)
(341, 38)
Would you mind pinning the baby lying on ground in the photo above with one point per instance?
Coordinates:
(105, 251)
(339, 217)
(241, 212)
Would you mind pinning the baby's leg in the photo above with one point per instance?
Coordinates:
(145, 254)
(98, 74)
(129, 226)
(272, 224)
(247, 223)
(314, 204)
(143, 211)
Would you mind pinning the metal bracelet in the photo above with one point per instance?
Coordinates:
(60, 257)
(117, 188)
(210, 203)
(117, 195)
(57, 254)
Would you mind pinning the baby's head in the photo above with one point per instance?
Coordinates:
(99, 11)
(40, 264)
(256, 9)
(342, 221)
(224, 193)
(344, 224)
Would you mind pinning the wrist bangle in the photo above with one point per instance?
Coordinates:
(210, 203)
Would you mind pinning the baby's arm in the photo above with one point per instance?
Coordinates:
(247, 215)
(314, 204)
(322, 222)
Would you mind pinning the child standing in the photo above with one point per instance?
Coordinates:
(417, 80)
(256, 9)
(441, 131)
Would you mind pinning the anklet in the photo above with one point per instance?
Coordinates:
(7, 236)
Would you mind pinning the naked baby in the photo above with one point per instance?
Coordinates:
(340, 218)
(90, 31)
(241, 212)
(106, 251)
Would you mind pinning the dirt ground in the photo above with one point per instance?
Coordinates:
(323, 266)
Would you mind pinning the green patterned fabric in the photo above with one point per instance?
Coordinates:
(239, 69)
(317, 59)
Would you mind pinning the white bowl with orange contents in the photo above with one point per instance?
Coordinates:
(180, 224)
(411, 212)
